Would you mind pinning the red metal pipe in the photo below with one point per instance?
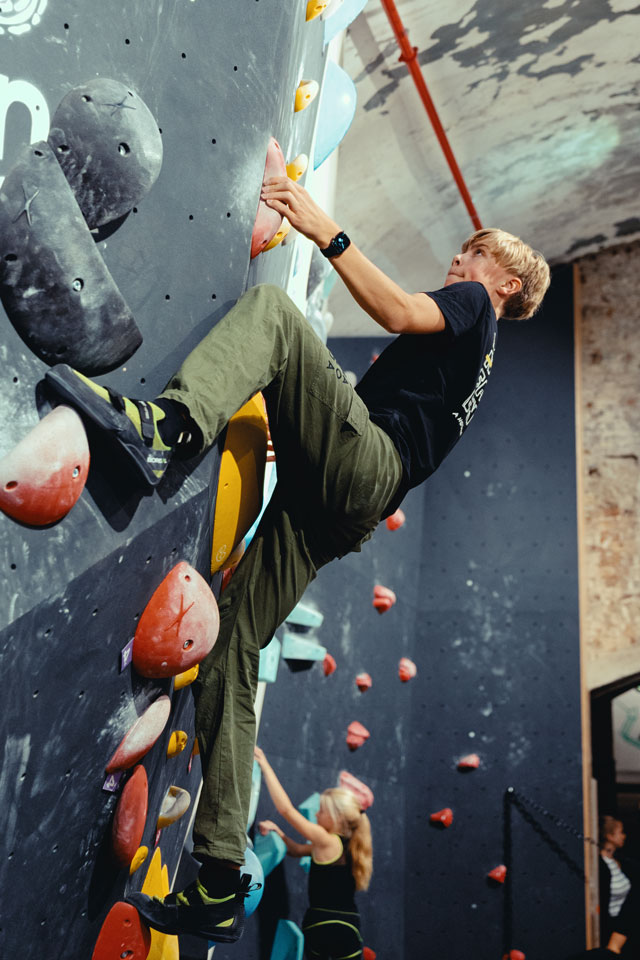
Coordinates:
(409, 56)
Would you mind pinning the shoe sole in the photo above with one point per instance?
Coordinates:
(174, 928)
(69, 387)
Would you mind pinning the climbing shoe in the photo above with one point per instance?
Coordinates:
(194, 912)
(134, 424)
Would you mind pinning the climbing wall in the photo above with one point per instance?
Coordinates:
(484, 570)
(219, 80)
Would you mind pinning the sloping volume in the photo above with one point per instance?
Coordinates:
(179, 625)
(130, 817)
(241, 480)
(142, 735)
(337, 109)
(43, 476)
(268, 221)
(122, 935)
(54, 284)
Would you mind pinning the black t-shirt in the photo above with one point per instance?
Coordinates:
(424, 389)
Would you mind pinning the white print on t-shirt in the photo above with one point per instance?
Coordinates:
(470, 405)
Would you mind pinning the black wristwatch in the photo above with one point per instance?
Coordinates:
(337, 246)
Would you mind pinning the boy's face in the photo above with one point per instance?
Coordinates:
(476, 263)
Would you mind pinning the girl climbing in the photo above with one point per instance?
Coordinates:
(341, 863)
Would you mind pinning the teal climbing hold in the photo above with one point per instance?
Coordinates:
(335, 113)
(288, 943)
(340, 20)
(270, 850)
(296, 647)
(269, 660)
(309, 808)
(303, 615)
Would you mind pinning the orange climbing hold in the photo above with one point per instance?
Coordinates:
(396, 520)
(315, 8)
(499, 873)
(305, 94)
(329, 665)
(142, 735)
(279, 236)
(177, 743)
(406, 669)
(444, 817)
(130, 817)
(297, 168)
(179, 625)
(360, 790)
(43, 476)
(122, 935)
(184, 679)
(470, 762)
(383, 598)
(268, 221)
(356, 735)
(363, 681)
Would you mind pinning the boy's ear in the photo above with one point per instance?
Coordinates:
(511, 286)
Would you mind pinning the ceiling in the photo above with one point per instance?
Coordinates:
(540, 104)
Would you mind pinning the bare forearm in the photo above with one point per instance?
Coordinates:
(295, 849)
(278, 794)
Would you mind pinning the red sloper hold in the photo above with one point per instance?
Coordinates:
(444, 816)
(130, 817)
(328, 665)
(383, 598)
(43, 476)
(499, 873)
(268, 221)
(406, 669)
(122, 935)
(396, 520)
(361, 791)
(142, 735)
(363, 681)
(179, 625)
(368, 954)
(356, 735)
(514, 955)
(470, 762)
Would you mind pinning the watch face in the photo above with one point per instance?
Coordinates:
(341, 242)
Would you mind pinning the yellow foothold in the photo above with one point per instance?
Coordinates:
(184, 679)
(280, 235)
(298, 166)
(177, 743)
(307, 92)
(315, 8)
(152, 885)
(196, 748)
(164, 946)
(139, 858)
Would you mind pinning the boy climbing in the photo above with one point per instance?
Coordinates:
(346, 458)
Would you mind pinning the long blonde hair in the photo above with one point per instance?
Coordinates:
(350, 822)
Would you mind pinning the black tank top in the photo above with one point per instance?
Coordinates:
(332, 885)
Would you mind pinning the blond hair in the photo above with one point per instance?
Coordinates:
(522, 261)
(350, 822)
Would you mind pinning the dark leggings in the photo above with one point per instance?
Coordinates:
(331, 934)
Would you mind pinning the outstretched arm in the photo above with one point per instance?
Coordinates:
(386, 302)
(294, 849)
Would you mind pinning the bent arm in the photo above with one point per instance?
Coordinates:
(317, 835)
(384, 300)
(294, 849)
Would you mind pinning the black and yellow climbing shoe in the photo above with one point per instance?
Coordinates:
(194, 912)
(134, 424)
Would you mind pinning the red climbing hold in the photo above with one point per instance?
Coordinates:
(130, 817)
(383, 598)
(406, 669)
(268, 221)
(43, 476)
(142, 735)
(470, 762)
(179, 625)
(498, 874)
(360, 790)
(356, 735)
(328, 665)
(396, 520)
(514, 955)
(363, 681)
(368, 954)
(122, 935)
(445, 817)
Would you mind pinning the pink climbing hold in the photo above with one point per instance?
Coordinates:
(328, 665)
(130, 817)
(383, 598)
(179, 625)
(356, 735)
(268, 221)
(396, 520)
(406, 669)
(363, 681)
(43, 476)
(142, 735)
(499, 873)
(470, 762)
(444, 817)
(360, 790)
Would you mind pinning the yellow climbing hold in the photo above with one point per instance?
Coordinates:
(175, 804)
(184, 679)
(280, 235)
(298, 166)
(315, 8)
(139, 858)
(163, 946)
(177, 743)
(307, 92)
(196, 748)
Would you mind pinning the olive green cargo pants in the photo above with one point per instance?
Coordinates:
(337, 472)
